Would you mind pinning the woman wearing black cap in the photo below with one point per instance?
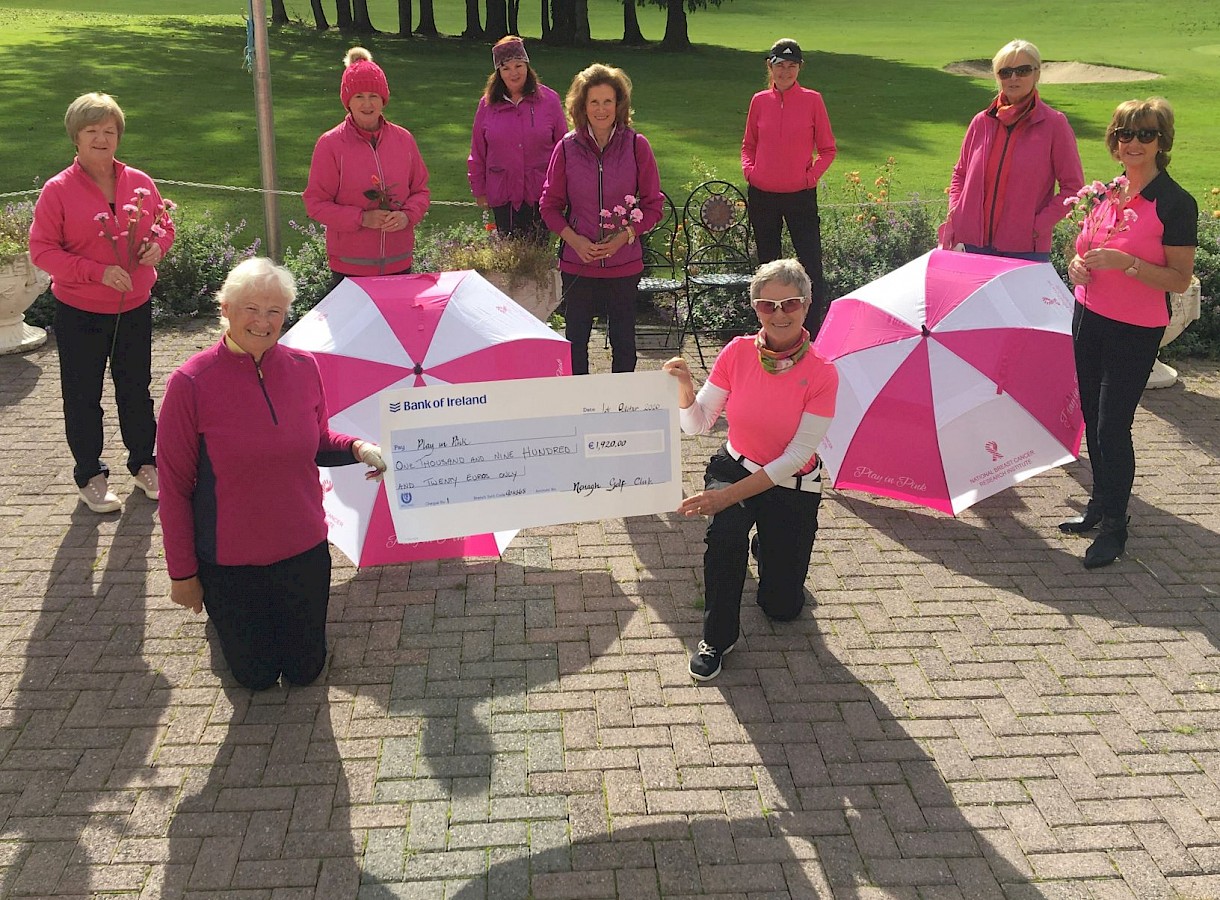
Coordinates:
(788, 146)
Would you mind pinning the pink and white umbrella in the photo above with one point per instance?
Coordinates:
(956, 380)
(378, 333)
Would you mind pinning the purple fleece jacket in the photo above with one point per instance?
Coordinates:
(510, 146)
(238, 450)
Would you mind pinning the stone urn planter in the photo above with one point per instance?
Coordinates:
(540, 296)
(1184, 309)
(20, 285)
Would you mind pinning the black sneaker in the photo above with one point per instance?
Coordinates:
(705, 664)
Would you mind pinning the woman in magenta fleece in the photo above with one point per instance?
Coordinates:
(367, 182)
(787, 148)
(779, 398)
(599, 165)
(243, 430)
(100, 228)
(516, 126)
(1128, 256)
(1003, 198)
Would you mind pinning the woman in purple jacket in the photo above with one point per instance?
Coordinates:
(517, 124)
(602, 192)
(1003, 199)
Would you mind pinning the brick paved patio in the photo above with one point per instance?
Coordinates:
(965, 713)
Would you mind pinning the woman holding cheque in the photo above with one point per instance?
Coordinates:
(779, 397)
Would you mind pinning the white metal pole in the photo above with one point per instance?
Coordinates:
(266, 128)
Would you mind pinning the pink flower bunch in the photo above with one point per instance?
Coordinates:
(124, 231)
(617, 218)
(1096, 204)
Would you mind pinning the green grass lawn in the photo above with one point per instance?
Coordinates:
(879, 64)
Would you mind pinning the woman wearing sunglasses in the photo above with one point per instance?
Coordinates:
(1122, 284)
(1003, 198)
(779, 397)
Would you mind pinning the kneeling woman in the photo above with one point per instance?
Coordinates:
(244, 428)
(779, 397)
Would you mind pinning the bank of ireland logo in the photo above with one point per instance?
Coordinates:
(994, 449)
(396, 407)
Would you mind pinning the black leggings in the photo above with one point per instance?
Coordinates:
(1113, 362)
(271, 619)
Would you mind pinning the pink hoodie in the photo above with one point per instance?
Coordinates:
(783, 131)
(69, 243)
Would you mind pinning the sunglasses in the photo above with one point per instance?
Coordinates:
(1145, 135)
(1009, 71)
(789, 305)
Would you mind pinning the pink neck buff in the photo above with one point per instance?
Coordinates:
(775, 362)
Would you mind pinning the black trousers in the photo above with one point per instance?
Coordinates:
(769, 212)
(271, 619)
(522, 221)
(84, 340)
(1113, 362)
(582, 297)
(787, 523)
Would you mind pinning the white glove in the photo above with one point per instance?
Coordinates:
(370, 455)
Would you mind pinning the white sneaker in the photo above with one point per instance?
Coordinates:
(146, 480)
(98, 496)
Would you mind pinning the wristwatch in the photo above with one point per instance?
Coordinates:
(1134, 268)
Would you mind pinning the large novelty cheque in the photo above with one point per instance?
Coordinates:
(494, 456)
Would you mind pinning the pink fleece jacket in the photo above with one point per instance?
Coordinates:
(345, 165)
(510, 146)
(788, 144)
(75, 249)
(1044, 153)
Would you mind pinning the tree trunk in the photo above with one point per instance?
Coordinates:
(404, 18)
(427, 19)
(474, 30)
(360, 17)
(343, 14)
(279, 15)
(563, 28)
(319, 15)
(497, 20)
(545, 7)
(514, 10)
(631, 24)
(583, 34)
(676, 35)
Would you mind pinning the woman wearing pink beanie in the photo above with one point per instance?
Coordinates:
(367, 182)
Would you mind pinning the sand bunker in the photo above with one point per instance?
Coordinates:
(1057, 72)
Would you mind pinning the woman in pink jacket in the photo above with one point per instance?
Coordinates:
(367, 182)
(787, 148)
(1003, 198)
(100, 228)
(602, 192)
(517, 124)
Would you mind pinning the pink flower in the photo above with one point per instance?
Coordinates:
(123, 234)
(158, 230)
(620, 211)
(631, 200)
(142, 192)
(605, 214)
(102, 217)
(637, 215)
(1130, 215)
(101, 234)
(130, 208)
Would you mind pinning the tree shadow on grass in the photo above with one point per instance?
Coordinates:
(84, 717)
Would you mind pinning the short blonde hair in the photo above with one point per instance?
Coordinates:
(782, 271)
(1011, 49)
(1130, 113)
(256, 275)
(589, 78)
(90, 109)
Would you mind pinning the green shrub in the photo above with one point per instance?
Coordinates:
(309, 265)
(1202, 338)
(196, 265)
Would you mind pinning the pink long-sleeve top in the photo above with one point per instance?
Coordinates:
(788, 144)
(238, 449)
(347, 163)
(510, 146)
(69, 243)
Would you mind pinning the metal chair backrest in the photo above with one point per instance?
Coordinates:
(716, 227)
(658, 244)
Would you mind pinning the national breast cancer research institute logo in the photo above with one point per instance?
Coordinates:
(994, 449)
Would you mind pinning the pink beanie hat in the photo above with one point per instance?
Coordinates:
(362, 76)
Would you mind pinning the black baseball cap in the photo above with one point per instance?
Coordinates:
(785, 49)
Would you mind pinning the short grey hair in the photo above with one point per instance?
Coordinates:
(785, 271)
(256, 275)
(89, 109)
(1011, 49)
